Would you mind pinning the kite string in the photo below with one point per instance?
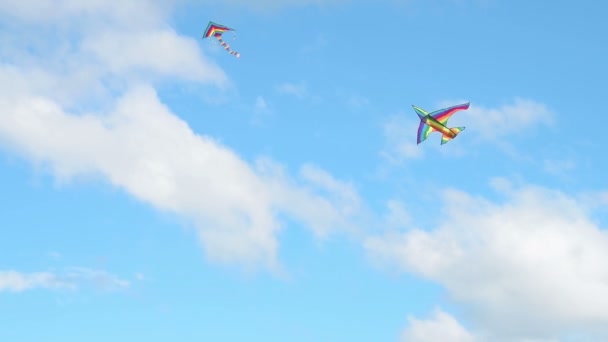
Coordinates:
(227, 47)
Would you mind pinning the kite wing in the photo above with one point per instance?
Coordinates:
(423, 132)
(216, 30)
(423, 129)
(443, 115)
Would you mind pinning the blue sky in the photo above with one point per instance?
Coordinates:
(156, 187)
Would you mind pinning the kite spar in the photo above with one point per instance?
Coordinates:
(216, 30)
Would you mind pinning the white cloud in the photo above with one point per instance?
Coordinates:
(535, 266)
(298, 90)
(323, 203)
(134, 12)
(84, 105)
(261, 106)
(398, 216)
(160, 51)
(17, 282)
(559, 167)
(76, 51)
(261, 111)
(70, 279)
(495, 123)
(357, 101)
(82, 276)
(318, 43)
(143, 148)
(275, 4)
(400, 135)
(440, 328)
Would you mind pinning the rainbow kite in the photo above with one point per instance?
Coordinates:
(216, 30)
(437, 121)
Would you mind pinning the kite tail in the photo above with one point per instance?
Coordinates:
(227, 47)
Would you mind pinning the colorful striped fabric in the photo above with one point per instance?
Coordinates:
(437, 121)
(216, 30)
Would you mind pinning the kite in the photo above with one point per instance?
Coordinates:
(437, 122)
(216, 30)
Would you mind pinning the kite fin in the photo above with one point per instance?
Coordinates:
(445, 138)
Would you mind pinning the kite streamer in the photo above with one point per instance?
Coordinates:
(216, 30)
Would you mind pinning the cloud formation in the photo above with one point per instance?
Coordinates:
(400, 136)
(90, 108)
(534, 266)
(495, 123)
(299, 90)
(69, 279)
(143, 148)
(76, 12)
(441, 327)
(95, 48)
(267, 5)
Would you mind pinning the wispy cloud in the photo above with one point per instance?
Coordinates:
(495, 123)
(324, 203)
(397, 216)
(535, 266)
(269, 5)
(69, 279)
(51, 11)
(17, 282)
(143, 148)
(133, 140)
(299, 90)
(98, 279)
(558, 167)
(400, 137)
(260, 105)
(98, 49)
(159, 51)
(261, 111)
(357, 101)
(439, 328)
(318, 43)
